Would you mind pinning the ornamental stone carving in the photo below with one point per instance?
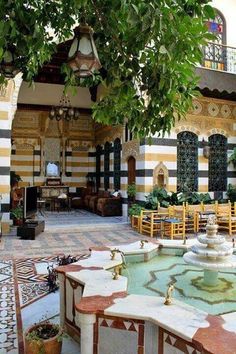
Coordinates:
(106, 133)
(25, 143)
(161, 176)
(130, 148)
(213, 109)
(217, 131)
(80, 145)
(225, 110)
(189, 128)
(197, 107)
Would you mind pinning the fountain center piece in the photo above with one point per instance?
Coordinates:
(212, 254)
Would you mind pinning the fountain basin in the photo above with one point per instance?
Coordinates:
(209, 263)
(106, 317)
(211, 240)
(219, 251)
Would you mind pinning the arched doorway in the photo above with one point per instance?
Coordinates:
(131, 170)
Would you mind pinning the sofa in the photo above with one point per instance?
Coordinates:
(111, 206)
(104, 203)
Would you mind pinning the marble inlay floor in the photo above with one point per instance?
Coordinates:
(23, 287)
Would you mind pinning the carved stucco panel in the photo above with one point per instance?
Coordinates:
(164, 170)
(130, 148)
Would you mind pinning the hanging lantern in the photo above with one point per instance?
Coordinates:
(83, 57)
(64, 110)
(8, 64)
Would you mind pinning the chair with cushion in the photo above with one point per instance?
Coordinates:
(225, 220)
(174, 224)
(150, 222)
(203, 215)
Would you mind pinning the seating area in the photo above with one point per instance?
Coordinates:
(178, 221)
(103, 203)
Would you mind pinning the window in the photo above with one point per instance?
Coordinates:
(106, 165)
(98, 166)
(214, 53)
(117, 156)
(187, 161)
(128, 133)
(218, 163)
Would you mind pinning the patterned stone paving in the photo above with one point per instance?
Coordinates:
(21, 284)
(8, 318)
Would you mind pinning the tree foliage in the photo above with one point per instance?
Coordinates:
(148, 50)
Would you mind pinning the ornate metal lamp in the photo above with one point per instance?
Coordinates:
(8, 66)
(83, 57)
(64, 110)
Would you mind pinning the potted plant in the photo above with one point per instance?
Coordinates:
(14, 179)
(231, 193)
(232, 158)
(131, 192)
(135, 209)
(17, 215)
(43, 338)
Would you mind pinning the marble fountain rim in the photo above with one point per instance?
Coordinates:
(112, 299)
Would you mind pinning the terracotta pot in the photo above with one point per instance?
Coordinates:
(18, 222)
(45, 346)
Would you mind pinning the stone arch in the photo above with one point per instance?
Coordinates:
(214, 131)
(161, 176)
(188, 128)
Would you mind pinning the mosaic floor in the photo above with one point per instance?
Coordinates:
(23, 289)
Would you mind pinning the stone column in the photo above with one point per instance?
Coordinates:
(63, 157)
(86, 322)
(8, 104)
(42, 167)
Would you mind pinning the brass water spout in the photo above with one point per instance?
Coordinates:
(117, 272)
(142, 243)
(185, 240)
(168, 298)
(113, 253)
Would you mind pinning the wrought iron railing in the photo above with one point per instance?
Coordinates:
(219, 57)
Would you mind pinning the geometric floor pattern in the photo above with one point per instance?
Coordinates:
(8, 310)
(20, 282)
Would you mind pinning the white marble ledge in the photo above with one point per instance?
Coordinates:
(134, 248)
(178, 318)
(101, 259)
(178, 243)
(230, 322)
(98, 282)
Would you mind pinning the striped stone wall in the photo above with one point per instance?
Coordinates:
(8, 101)
(209, 116)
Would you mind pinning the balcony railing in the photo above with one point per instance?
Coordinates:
(219, 57)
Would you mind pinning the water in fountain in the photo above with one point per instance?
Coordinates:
(212, 254)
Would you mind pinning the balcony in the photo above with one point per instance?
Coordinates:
(217, 72)
(220, 57)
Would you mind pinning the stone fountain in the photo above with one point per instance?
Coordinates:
(212, 254)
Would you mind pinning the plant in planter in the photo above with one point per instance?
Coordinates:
(43, 338)
(131, 191)
(17, 215)
(232, 158)
(14, 178)
(231, 193)
(135, 209)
